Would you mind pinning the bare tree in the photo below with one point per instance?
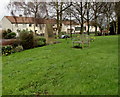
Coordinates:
(97, 8)
(33, 8)
(89, 15)
(117, 11)
(77, 11)
(59, 7)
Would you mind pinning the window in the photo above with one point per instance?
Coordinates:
(30, 25)
(35, 31)
(36, 25)
(77, 28)
(24, 25)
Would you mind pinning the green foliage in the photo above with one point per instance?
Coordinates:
(6, 50)
(63, 33)
(16, 43)
(8, 34)
(41, 41)
(19, 48)
(27, 39)
(4, 33)
(92, 38)
(18, 30)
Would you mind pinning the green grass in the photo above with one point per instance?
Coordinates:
(60, 69)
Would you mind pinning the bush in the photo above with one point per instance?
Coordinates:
(27, 39)
(4, 33)
(10, 35)
(41, 41)
(6, 50)
(19, 48)
(16, 43)
(63, 33)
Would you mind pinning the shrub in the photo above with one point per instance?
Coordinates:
(6, 50)
(19, 48)
(10, 35)
(41, 41)
(4, 33)
(63, 33)
(16, 43)
(27, 39)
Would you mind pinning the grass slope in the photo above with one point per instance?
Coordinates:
(60, 69)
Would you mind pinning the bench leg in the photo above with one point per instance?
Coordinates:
(88, 44)
(73, 44)
(82, 45)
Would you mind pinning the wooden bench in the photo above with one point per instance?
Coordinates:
(83, 39)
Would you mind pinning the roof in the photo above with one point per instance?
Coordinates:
(30, 20)
(92, 23)
(67, 22)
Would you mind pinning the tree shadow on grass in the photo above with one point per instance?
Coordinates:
(77, 47)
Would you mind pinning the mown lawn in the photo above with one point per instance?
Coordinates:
(60, 69)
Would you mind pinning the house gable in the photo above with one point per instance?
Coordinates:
(6, 24)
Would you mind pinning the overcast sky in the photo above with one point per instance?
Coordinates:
(3, 9)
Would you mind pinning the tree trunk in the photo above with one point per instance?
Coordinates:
(60, 22)
(81, 30)
(34, 23)
(117, 25)
(70, 27)
(36, 11)
(95, 25)
(88, 18)
(88, 24)
(57, 19)
(114, 26)
(88, 32)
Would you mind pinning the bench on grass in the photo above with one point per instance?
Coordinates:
(82, 40)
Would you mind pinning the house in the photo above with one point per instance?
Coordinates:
(92, 26)
(67, 26)
(19, 23)
(16, 23)
(0, 31)
(85, 27)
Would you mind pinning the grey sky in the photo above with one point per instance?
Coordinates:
(3, 9)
